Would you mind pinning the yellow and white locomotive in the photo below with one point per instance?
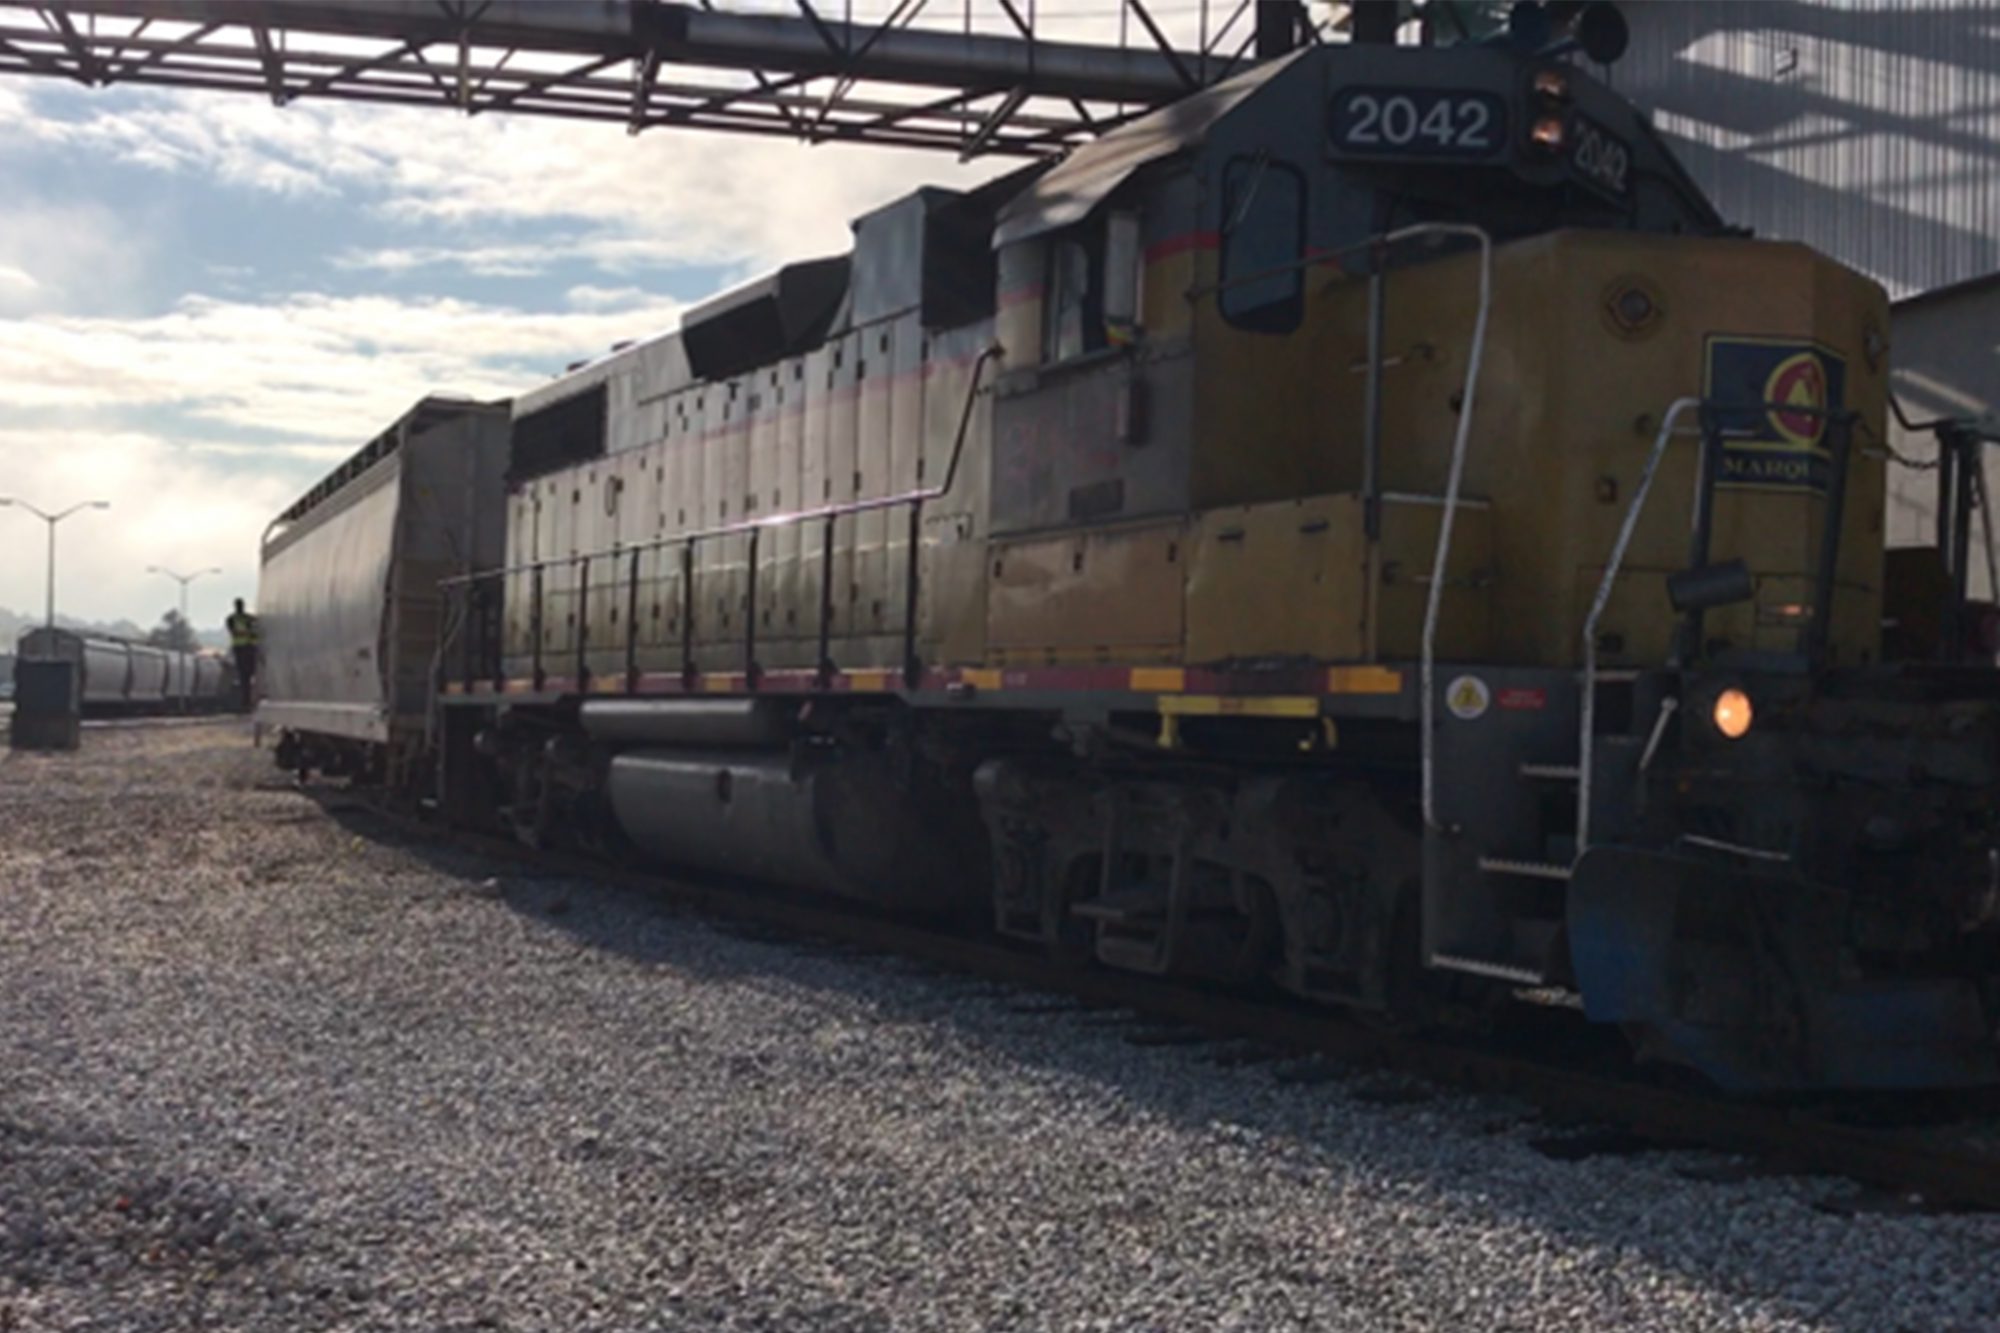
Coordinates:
(1369, 527)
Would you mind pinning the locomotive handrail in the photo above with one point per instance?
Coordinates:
(702, 534)
(1434, 595)
(753, 528)
(1612, 564)
(1703, 490)
(840, 510)
(1316, 258)
(1434, 598)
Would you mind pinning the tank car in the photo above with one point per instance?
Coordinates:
(1370, 528)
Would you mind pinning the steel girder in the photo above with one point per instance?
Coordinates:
(797, 72)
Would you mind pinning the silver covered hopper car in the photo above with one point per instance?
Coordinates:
(120, 677)
(348, 597)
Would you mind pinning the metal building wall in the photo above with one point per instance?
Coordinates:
(1947, 365)
(1869, 129)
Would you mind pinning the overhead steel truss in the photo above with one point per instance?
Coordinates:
(972, 78)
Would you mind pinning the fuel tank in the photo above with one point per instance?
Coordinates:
(841, 824)
(699, 723)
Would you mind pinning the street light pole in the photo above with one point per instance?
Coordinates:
(184, 580)
(186, 683)
(49, 618)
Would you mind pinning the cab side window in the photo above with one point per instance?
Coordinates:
(1263, 240)
(1072, 321)
(1090, 300)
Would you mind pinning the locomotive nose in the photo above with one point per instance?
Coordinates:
(1676, 948)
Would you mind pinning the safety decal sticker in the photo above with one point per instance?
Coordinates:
(1777, 398)
(1523, 698)
(1467, 697)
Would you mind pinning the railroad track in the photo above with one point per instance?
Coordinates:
(1817, 1140)
(151, 720)
(137, 721)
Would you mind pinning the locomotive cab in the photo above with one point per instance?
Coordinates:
(1271, 400)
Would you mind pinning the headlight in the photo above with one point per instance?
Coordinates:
(1732, 713)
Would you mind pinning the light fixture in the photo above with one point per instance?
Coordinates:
(1732, 713)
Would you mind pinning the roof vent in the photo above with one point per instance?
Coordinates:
(764, 321)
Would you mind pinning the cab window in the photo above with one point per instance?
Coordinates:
(1263, 239)
(1072, 324)
(1091, 297)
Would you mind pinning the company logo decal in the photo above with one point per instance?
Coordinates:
(1468, 697)
(1776, 398)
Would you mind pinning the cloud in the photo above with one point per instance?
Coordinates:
(205, 413)
(605, 248)
(238, 143)
(244, 405)
(486, 261)
(311, 366)
(587, 297)
(64, 256)
(170, 506)
(664, 198)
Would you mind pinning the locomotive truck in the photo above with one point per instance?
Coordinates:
(1370, 528)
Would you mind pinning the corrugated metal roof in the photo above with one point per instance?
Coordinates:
(1871, 131)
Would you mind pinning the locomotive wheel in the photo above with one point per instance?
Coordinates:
(1260, 941)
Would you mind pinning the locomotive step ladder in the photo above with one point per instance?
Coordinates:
(1499, 911)
(1520, 872)
(1615, 749)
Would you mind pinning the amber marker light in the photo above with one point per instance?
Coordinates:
(1733, 714)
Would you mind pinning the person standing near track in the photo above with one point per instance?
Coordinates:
(243, 644)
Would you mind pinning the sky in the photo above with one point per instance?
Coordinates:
(207, 302)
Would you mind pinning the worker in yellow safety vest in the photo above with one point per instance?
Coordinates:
(243, 643)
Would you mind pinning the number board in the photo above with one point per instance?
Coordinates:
(1417, 122)
(1600, 159)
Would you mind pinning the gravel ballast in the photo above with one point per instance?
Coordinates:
(266, 1063)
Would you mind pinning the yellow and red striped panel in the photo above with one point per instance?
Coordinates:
(1311, 683)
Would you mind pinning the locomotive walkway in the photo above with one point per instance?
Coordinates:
(270, 1061)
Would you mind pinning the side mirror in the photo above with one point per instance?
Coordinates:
(1711, 586)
